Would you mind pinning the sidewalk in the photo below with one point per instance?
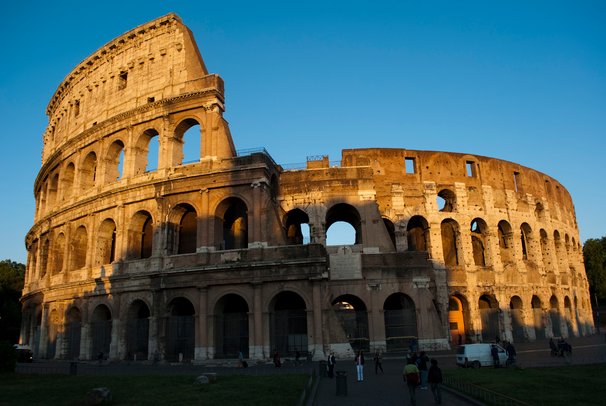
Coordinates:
(389, 389)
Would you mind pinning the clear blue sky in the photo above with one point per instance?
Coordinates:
(523, 81)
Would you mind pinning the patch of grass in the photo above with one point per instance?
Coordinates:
(152, 390)
(568, 385)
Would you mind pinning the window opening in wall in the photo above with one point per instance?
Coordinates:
(76, 108)
(446, 200)
(120, 164)
(191, 145)
(151, 99)
(122, 80)
(470, 166)
(524, 250)
(341, 233)
(516, 181)
(410, 165)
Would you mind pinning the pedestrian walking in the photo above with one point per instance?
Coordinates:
(412, 378)
(378, 362)
(434, 377)
(360, 365)
(331, 364)
(494, 351)
(422, 362)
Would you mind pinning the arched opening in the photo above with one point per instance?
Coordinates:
(137, 331)
(353, 317)
(232, 215)
(79, 248)
(537, 315)
(72, 333)
(391, 231)
(506, 242)
(450, 244)
(539, 211)
(231, 327)
(58, 254)
(189, 132)
(101, 331)
(152, 150)
(342, 223)
(478, 241)
(106, 242)
(446, 200)
(88, 172)
(114, 161)
(458, 314)
(526, 241)
(400, 322)
(489, 313)
(44, 252)
(554, 316)
(51, 195)
(417, 232)
(140, 236)
(185, 229)
(67, 181)
(517, 319)
(297, 227)
(288, 323)
(180, 330)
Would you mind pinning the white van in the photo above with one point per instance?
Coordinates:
(478, 355)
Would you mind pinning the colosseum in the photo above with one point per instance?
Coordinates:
(139, 252)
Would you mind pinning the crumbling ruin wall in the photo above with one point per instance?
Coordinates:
(205, 259)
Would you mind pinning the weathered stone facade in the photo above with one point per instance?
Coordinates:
(202, 260)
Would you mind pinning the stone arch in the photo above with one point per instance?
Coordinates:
(183, 229)
(506, 242)
(446, 200)
(516, 308)
(73, 328)
(44, 254)
(114, 161)
(52, 190)
(88, 172)
(147, 152)
(78, 248)
(188, 132)
(451, 243)
(399, 313)
(67, 181)
(140, 236)
(288, 323)
(54, 324)
(58, 254)
(526, 241)
(417, 232)
(180, 330)
(232, 218)
(231, 326)
(478, 232)
(554, 316)
(346, 213)
(137, 330)
(106, 242)
(391, 230)
(539, 211)
(489, 314)
(353, 317)
(101, 331)
(296, 232)
(458, 318)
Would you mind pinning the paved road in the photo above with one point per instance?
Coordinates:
(388, 389)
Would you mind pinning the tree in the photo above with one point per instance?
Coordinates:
(594, 254)
(12, 275)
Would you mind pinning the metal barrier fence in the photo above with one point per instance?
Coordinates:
(487, 396)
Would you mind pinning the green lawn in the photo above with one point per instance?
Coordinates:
(152, 390)
(571, 385)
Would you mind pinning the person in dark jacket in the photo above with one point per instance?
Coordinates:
(331, 364)
(422, 362)
(434, 377)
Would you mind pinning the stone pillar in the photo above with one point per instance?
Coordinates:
(256, 341)
(316, 343)
(115, 346)
(43, 344)
(201, 346)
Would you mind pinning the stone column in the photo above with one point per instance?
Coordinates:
(256, 340)
(201, 346)
(317, 338)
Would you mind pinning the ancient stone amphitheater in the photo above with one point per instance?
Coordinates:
(139, 253)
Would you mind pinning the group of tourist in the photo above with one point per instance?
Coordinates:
(420, 371)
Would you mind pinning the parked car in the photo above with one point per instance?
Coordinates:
(479, 355)
(24, 353)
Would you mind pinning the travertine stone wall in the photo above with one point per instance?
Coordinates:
(228, 253)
